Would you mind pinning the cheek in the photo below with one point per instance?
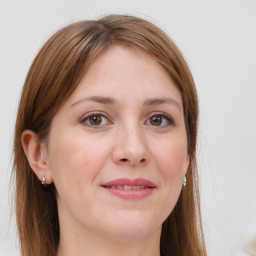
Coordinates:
(75, 160)
(172, 158)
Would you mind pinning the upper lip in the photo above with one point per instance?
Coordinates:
(130, 182)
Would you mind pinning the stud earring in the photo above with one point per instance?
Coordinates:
(184, 181)
(43, 182)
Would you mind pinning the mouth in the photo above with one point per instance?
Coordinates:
(127, 187)
(130, 189)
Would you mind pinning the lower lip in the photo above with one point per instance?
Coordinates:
(130, 193)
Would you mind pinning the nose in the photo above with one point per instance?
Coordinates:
(130, 148)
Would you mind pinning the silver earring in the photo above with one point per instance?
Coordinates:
(184, 180)
(43, 182)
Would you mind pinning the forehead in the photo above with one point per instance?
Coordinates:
(121, 60)
(122, 71)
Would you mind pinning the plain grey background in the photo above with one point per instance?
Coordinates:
(218, 39)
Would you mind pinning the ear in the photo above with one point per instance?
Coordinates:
(37, 155)
(186, 164)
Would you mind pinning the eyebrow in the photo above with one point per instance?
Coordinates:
(111, 101)
(99, 99)
(158, 101)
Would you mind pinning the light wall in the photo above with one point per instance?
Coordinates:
(218, 39)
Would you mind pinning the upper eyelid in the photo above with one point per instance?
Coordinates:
(84, 120)
(104, 114)
(87, 115)
(159, 113)
(169, 117)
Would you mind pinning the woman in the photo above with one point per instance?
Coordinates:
(105, 145)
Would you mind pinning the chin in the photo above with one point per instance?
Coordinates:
(132, 226)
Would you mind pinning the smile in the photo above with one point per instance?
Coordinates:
(130, 189)
(127, 187)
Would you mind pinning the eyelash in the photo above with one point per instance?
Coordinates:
(94, 114)
(163, 116)
(85, 119)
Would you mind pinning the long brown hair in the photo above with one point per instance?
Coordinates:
(53, 76)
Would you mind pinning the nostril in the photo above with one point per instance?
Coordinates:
(133, 161)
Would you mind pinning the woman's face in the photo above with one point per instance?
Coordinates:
(117, 148)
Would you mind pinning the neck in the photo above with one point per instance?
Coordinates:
(94, 245)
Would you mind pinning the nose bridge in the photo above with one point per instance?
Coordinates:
(131, 146)
(133, 138)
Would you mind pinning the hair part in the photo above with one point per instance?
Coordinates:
(54, 75)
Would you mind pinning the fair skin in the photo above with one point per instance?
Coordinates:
(124, 121)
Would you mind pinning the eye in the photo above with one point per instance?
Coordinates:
(95, 119)
(161, 120)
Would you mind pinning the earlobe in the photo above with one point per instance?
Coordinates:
(36, 155)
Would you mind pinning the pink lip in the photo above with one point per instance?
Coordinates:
(130, 193)
(130, 182)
